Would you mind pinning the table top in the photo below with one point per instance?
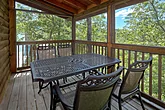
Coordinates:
(56, 68)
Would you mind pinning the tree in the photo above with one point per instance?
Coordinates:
(146, 24)
(39, 26)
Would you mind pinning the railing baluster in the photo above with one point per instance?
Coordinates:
(142, 82)
(27, 57)
(31, 53)
(159, 77)
(18, 56)
(150, 79)
(22, 55)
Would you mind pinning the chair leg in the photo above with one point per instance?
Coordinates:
(119, 101)
(141, 101)
(83, 74)
(109, 104)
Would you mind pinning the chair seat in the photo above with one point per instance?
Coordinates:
(116, 90)
(69, 93)
(86, 94)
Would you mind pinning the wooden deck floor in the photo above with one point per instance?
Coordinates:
(21, 94)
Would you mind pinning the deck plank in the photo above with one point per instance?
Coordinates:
(31, 104)
(39, 98)
(13, 103)
(6, 99)
(22, 94)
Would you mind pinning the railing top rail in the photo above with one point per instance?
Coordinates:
(42, 42)
(139, 48)
(91, 42)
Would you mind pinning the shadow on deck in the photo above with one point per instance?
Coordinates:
(22, 94)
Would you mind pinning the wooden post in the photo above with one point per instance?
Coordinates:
(12, 27)
(110, 29)
(111, 32)
(73, 35)
(89, 32)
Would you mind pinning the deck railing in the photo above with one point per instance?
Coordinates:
(153, 82)
(27, 51)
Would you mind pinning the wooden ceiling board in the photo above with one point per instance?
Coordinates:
(70, 4)
(77, 8)
(76, 3)
(96, 1)
(46, 9)
(61, 5)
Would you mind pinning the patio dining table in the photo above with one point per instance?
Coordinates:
(49, 70)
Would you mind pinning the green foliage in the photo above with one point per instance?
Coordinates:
(38, 26)
(146, 24)
(99, 28)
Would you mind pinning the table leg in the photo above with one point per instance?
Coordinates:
(53, 97)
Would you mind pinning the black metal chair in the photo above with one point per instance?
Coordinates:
(45, 52)
(64, 50)
(92, 93)
(129, 85)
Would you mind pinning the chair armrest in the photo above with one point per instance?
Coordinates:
(95, 72)
(61, 97)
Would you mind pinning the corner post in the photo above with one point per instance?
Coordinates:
(73, 34)
(12, 33)
(110, 30)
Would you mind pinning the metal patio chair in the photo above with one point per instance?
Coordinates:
(129, 85)
(45, 52)
(64, 50)
(92, 93)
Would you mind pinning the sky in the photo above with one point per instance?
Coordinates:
(120, 15)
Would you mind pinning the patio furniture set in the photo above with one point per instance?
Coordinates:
(95, 89)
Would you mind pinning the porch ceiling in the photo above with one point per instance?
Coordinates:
(78, 8)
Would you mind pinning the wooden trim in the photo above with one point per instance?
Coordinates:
(45, 7)
(92, 11)
(110, 28)
(73, 35)
(43, 42)
(138, 48)
(91, 42)
(45, 12)
(128, 3)
(61, 5)
(150, 79)
(154, 100)
(12, 26)
(76, 3)
(159, 77)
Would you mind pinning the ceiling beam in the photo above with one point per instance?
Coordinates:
(96, 1)
(128, 3)
(45, 7)
(61, 5)
(92, 11)
(76, 3)
(48, 10)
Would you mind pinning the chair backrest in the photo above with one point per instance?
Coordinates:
(133, 76)
(45, 52)
(94, 92)
(64, 50)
